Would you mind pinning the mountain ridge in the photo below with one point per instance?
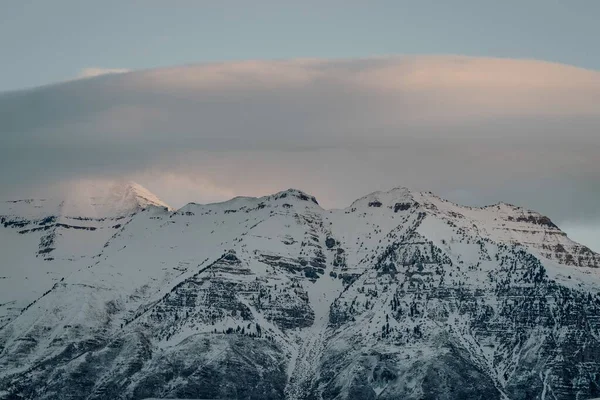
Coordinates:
(401, 294)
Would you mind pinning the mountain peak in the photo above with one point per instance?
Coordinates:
(388, 198)
(242, 202)
(143, 196)
(299, 194)
(99, 199)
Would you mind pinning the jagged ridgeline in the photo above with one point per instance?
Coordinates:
(402, 295)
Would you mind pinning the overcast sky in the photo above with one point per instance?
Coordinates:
(476, 130)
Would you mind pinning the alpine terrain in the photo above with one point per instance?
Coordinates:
(402, 295)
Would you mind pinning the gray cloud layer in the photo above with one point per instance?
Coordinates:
(474, 129)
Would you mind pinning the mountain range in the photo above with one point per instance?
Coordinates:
(111, 293)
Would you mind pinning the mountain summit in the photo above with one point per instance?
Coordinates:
(401, 295)
(108, 199)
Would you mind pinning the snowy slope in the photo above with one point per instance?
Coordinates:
(44, 240)
(400, 295)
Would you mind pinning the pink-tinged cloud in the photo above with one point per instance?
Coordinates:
(97, 71)
(518, 130)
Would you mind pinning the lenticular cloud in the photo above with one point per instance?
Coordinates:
(475, 129)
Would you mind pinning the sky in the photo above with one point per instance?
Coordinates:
(477, 101)
(49, 41)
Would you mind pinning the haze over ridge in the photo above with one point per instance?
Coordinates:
(475, 130)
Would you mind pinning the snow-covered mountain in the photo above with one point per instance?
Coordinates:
(401, 295)
(45, 240)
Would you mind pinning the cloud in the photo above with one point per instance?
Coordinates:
(479, 130)
(97, 71)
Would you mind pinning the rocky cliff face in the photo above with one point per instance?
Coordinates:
(401, 295)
